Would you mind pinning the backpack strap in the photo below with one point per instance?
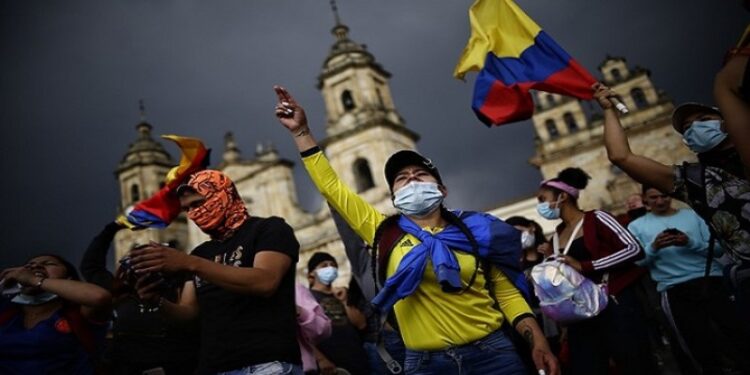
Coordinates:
(392, 235)
(694, 175)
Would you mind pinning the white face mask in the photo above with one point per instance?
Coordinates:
(418, 198)
(327, 275)
(36, 299)
(527, 240)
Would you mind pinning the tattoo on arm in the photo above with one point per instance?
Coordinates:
(527, 333)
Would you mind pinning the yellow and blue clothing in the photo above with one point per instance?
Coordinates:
(431, 319)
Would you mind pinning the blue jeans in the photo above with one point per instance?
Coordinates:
(493, 354)
(268, 368)
(393, 345)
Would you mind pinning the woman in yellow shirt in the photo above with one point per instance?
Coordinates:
(445, 312)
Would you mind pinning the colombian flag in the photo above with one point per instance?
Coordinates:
(514, 55)
(159, 210)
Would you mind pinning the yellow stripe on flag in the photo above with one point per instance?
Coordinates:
(497, 26)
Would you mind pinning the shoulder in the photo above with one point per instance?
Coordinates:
(602, 216)
(604, 220)
(640, 222)
(271, 222)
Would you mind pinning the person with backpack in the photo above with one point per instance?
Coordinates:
(698, 308)
(715, 187)
(142, 339)
(50, 321)
(446, 312)
(599, 248)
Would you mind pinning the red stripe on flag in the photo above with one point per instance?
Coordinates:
(505, 104)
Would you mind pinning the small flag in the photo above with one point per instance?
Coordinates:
(513, 55)
(164, 206)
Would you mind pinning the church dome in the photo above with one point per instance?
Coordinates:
(145, 150)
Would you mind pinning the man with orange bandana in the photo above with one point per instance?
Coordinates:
(243, 284)
(437, 271)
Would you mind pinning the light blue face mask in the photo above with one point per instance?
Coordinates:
(704, 136)
(36, 299)
(418, 198)
(547, 212)
(326, 275)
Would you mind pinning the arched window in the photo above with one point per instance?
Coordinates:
(550, 100)
(347, 101)
(570, 122)
(552, 128)
(639, 97)
(362, 175)
(135, 193)
(616, 75)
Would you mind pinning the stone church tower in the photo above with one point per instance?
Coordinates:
(363, 128)
(140, 174)
(567, 136)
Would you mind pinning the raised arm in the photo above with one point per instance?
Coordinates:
(734, 107)
(93, 264)
(292, 116)
(640, 168)
(362, 217)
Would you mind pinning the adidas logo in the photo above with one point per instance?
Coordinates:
(407, 243)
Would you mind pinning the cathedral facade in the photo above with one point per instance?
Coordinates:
(363, 128)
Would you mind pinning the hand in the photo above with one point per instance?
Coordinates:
(340, 294)
(567, 259)
(326, 367)
(289, 113)
(545, 360)
(159, 258)
(147, 289)
(680, 239)
(662, 240)
(21, 275)
(602, 94)
(545, 249)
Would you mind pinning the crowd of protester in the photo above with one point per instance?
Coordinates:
(433, 290)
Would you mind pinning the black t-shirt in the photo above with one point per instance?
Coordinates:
(344, 346)
(240, 330)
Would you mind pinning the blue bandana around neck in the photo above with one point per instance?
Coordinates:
(499, 244)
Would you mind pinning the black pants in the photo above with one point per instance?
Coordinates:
(618, 333)
(709, 324)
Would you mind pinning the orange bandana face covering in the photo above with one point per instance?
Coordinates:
(223, 211)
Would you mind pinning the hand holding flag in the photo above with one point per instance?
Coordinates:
(164, 206)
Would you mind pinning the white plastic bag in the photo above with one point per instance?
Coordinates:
(565, 295)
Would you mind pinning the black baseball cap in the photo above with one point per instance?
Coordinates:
(685, 110)
(318, 258)
(405, 158)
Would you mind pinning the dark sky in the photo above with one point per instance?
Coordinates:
(72, 72)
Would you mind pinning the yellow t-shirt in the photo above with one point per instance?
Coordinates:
(429, 319)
